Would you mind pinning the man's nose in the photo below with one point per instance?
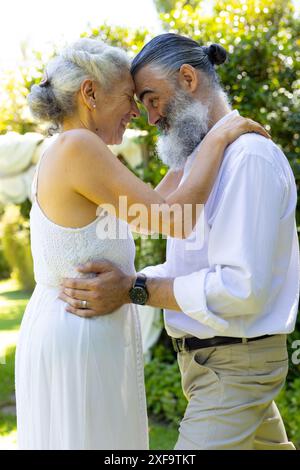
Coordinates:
(153, 117)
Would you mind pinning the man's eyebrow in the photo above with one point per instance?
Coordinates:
(144, 92)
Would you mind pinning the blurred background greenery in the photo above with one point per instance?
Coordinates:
(262, 80)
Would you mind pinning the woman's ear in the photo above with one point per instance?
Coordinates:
(87, 91)
(188, 78)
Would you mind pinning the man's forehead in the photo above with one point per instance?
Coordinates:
(148, 80)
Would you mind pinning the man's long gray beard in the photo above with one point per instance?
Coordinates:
(183, 128)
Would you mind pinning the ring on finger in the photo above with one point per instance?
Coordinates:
(84, 304)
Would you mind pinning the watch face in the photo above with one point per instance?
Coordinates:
(138, 295)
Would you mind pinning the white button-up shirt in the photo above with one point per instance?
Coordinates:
(237, 274)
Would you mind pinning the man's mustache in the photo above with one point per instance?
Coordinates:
(163, 125)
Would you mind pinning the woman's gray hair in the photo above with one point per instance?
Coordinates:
(55, 97)
(169, 51)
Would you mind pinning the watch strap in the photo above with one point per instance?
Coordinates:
(140, 280)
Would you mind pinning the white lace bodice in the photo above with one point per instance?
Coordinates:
(57, 250)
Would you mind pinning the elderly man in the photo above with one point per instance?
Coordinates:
(230, 289)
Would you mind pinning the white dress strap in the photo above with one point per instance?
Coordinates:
(34, 186)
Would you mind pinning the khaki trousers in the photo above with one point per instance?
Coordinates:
(230, 391)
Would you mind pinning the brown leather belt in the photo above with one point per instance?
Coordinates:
(191, 343)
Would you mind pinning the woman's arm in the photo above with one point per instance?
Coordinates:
(169, 183)
(95, 173)
(166, 186)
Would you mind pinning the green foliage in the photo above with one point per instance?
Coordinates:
(4, 266)
(166, 6)
(7, 378)
(25, 208)
(132, 40)
(8, 424)
(149, 252)
(294, 369)
(16, 247)
(163, 386)
(162, 436)
(15, 86)
(289, 405)
(13, 304)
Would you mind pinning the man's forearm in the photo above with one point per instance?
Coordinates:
(161, 293)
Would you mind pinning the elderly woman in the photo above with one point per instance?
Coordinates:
(79, 381)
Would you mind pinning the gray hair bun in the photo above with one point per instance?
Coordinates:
(216, 54)
(43, 103)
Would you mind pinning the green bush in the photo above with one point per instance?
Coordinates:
(165, 399)
(16, 247)
(294, 369)
(4, 266)
(289, 405)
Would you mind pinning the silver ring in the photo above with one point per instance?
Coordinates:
(84, 304)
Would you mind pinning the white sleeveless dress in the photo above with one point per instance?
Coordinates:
(79, 382)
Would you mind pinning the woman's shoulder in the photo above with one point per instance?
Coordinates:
(77, 149)
(80, 153)
(78, 139)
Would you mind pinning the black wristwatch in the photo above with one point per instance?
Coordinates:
(138, 293)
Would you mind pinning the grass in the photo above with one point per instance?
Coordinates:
(7, 378)
(162, 436)
(12, 306)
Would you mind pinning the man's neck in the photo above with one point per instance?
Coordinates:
(218, 109)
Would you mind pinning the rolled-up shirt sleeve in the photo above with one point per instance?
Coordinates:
(160, 270)
(242, 243)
